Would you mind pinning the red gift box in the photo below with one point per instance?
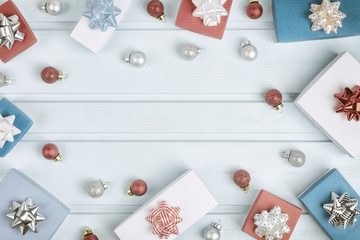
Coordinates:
(267, 201)
(185, 20)
(9, 9)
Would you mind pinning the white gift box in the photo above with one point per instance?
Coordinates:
(187, 192)
(95, 39)
(317, 101)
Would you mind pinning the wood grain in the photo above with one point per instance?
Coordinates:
(118, 123)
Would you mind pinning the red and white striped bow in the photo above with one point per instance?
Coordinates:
(165, 220)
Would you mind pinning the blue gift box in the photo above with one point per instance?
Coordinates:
(22, 122)
(17, 187)
(319, 194)
(292, 23)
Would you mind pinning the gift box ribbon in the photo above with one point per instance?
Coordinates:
(349, 103)
(9, 32)
(164, 220)
(210, 11)
(101, 14)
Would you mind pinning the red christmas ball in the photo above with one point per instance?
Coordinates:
(50, 75)
(91, 237)
(242, 179)
(273, 97)
(254, 10)
(138, 187)
(51, 152)
(155, 8)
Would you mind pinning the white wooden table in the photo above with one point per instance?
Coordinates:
(118, 123)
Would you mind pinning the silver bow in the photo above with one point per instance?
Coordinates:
(9, 32)
(271, 224)
(343, 210)
(210, 11)
(25, 216)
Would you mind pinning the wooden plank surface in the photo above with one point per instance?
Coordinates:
(118, 123)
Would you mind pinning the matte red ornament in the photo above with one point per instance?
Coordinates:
(242, 179)
(156, 9)
(254, 10)
(89, 235)
(273, 97)
(137, 188)
(51, 75)
(51, 152)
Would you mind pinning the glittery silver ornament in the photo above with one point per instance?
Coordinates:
(53, 7)
(97, 188)
(5, 80)
(137, 59)
(213, 232)
(295, 157)
(248, 51)
(190, 51)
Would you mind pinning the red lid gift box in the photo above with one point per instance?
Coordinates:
(198, 16)
(271, 217)
(15, 34)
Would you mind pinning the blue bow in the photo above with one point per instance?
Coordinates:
(101, 14)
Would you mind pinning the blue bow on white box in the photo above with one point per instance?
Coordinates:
(101, 14)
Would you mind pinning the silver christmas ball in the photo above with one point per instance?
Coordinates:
(53, 7)
(213, 233)
(97, 188)
(248, 51)
(190, 51)
(295, 157)
(137, 59)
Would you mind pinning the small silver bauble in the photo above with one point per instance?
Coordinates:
(213, 233)
(137, 59)
(53, 7)
(190, 51)
(5, 80)
(97, 188)
(295, 157)
(248, 51)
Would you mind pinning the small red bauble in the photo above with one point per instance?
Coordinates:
(51, 152)
(242, 179)
(88, 234)
(137, 188)
(254, 10)
(155, 8)
(51, 75)
(273, 97)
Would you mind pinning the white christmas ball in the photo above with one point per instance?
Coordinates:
(53, 7)
(190, 51)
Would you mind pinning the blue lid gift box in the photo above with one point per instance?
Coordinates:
(319, 194)
(22, 122)
(292, 23)
(18, 187)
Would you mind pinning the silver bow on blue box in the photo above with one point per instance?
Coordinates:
(9, 32)
(101, 14)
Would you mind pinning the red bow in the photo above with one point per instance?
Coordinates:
(349, 103)
(165, 220)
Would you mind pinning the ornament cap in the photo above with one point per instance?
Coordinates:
(245, 42)
(106, 185)
(253, 1)
(218, 225)
(61, 76)
(162, 17)
(279, 107)
(245, 189)
(129, 192)
(58, 158)
(285, 154)
(87, 231)
(43, 7)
